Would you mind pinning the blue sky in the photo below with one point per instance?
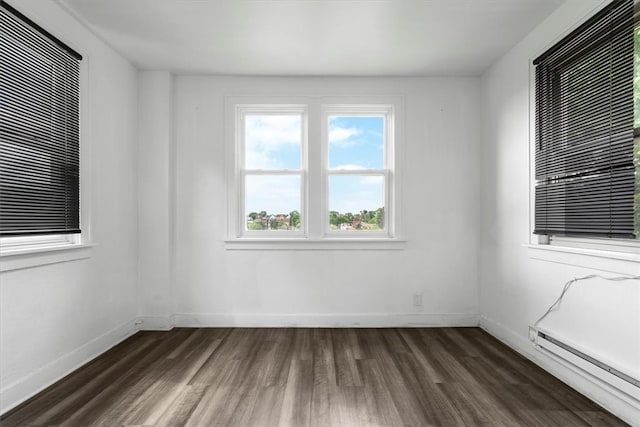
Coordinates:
(274, 142)
(356, 142)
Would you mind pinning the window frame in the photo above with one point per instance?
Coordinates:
(314, 233)
(606, 254)
(19, 252)
(581, 152)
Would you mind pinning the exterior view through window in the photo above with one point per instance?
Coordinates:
(356, 172)
(273, 171)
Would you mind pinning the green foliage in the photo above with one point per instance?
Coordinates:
(294, 220)
(378, 217)
(273, 224)
(334, 218)
(255, 226)
(365, 220)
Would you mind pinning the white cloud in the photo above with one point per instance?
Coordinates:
(343, 137)
(266, 134)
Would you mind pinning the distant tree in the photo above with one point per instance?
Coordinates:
(294, 220)
(273, 223)
(378, 217)
(263, 214)
(334, 218)
(253, 216)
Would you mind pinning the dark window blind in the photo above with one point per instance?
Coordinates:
(39, 130)
(584, 129)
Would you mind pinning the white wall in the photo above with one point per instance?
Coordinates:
(54, 317)
(155, 197)
(216, 286)
(602, 318)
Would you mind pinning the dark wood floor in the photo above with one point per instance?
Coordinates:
(318, 377)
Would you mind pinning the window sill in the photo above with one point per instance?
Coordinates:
(334, 244)
(34, 256)
(595, 259)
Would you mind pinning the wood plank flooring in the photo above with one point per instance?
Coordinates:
(310, 377)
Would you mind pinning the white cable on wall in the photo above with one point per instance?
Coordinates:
(568, 285)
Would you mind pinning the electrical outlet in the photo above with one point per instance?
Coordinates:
(533, 333)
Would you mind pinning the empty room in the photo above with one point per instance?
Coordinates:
(319, 213)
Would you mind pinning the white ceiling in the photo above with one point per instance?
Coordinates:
(313, 37)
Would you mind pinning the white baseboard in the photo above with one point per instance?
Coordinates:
(325, 320)
(14, 394)
(617, 402)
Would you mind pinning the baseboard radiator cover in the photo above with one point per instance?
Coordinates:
(611, 376)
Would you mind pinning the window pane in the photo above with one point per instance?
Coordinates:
(272, 202)
(356, 142)
(356, 202)
(273, 141)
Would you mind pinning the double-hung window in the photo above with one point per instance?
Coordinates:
(586, 166)
(39, 135)
(314, 170)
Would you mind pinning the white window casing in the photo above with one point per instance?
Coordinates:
(315, 233)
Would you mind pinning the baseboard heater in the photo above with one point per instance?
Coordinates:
(608, 374)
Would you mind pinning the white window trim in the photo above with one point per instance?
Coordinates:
(611, 255)
(21, 253)
(315, 235)
(33, 251)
